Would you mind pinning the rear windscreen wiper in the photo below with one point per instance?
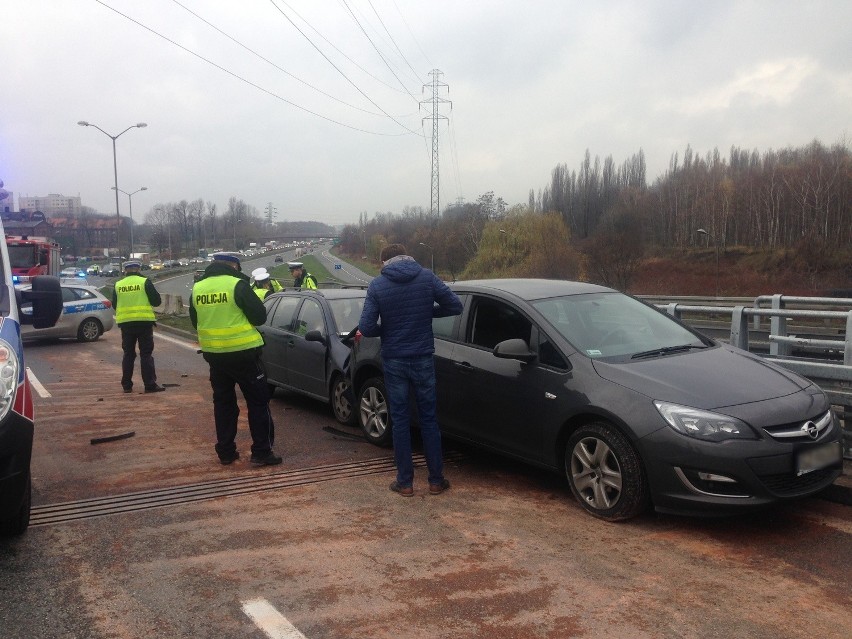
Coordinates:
(665, 350)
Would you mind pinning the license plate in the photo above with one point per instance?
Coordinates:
(819, 457)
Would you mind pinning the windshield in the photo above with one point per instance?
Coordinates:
(614, 325)
(22, 256)
(346, 313)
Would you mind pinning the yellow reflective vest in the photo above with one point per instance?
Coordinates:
(132, 303)
(307, 281)
(222, 325)
(261, 292)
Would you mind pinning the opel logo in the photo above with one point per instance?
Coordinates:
(811, 429)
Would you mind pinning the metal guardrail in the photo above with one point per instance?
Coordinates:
(833, 376)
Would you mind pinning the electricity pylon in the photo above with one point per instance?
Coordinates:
(435, 101)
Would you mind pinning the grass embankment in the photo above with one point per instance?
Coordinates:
(743, 272)
(181, 322)
(312, 266)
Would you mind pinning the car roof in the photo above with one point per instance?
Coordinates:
(67, 282)
(88, 287)
(328, 293)
(529, 288)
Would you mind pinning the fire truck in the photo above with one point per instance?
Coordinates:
(31, 256)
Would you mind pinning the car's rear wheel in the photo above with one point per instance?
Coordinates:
(605, 472)
(19, 523)
(373, 416)
(90, 329)
(341, 400)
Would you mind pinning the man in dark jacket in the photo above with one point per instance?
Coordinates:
(399, 308)
(225, 310)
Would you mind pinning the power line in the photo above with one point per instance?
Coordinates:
(331, 44)
(378, 39)
(242, 79)
(270, 62)
(396, 46)
(411, 33)
(455, 158)
(345, 77)
(366, 35)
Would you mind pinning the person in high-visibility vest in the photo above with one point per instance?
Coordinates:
(301, 278)
(262, 282)
(134, 298)
(225, 310)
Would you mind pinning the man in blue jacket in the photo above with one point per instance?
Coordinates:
(399, 308)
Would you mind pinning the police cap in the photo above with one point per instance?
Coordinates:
(260, 274)
(226, 256)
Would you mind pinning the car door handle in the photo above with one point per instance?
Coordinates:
(464, 366)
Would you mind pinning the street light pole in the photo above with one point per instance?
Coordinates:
(130, 201)
(140, 125)
(431, 254)
(716, 247)
(171, 255)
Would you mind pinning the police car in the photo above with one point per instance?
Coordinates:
(16, 401)
(72, 271)
(86, 315)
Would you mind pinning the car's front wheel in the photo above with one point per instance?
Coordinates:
(373, 415)
(605, 472)
(90, 329)
(341, 400)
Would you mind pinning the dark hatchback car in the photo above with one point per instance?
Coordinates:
(634, 407)
(307, 338)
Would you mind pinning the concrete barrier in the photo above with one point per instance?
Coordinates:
(172, 305)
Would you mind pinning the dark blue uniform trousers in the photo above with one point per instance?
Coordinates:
(244, 369)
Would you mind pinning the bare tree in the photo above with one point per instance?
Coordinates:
(211, 215)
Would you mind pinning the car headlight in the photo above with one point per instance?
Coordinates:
(9, 367)
(702, 424)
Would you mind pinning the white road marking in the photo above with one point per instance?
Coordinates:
(191, 345)
(270, 621)
(37, 385)
(331, 259)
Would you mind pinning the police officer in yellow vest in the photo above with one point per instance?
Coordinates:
(301, 278)
(263, 285)
(134, 298)
(225, 310)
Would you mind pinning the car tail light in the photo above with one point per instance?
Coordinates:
(107, 304)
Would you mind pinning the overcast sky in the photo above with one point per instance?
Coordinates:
(292, 104)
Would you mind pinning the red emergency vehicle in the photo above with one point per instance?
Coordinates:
(31, 256)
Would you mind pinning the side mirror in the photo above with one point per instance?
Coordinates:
(314, 336)
(45, 296)
(514, 349)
